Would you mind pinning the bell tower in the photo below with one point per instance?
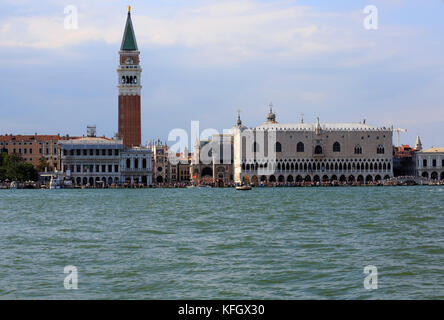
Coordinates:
(129, 88)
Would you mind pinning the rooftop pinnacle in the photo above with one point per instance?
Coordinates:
(129, 39)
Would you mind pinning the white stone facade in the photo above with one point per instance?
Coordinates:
(430, 163)
(136, 165)
(288, 153)
(91, 160)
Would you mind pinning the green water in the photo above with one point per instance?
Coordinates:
(268, 243)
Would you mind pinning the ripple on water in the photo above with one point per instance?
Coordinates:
(282, 243)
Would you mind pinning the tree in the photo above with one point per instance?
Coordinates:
(13, 167)
(43, 163)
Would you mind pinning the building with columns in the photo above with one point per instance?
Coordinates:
(95, 160)
(311, 152)
(212, 160)
(91, 160)
(430, 163)
(136, 165)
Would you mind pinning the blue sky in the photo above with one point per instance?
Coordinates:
(202, 60)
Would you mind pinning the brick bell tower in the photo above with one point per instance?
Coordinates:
(129, 88)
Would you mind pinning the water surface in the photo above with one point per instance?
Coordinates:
(267, 243)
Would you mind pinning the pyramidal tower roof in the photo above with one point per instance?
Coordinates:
(129, 38)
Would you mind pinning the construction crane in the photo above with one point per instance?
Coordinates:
(398, 131)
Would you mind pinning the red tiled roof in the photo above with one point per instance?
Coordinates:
(32, 137)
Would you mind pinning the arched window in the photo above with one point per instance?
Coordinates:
(380, 149)
(358, 149)
(318, 150)
(300, 147)
(278, 147)
(336, 147)
(128, 163)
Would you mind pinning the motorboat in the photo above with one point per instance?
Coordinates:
(244, 187)
(54, 183)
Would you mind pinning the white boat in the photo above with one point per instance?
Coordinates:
(54, 183)
(13, 185)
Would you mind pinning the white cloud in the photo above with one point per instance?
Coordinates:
(221, 32)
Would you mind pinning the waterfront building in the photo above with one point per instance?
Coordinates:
(91, 160)
(212, 161)
(31, 148)
(98, 161)
(180, 170)
(136, 165)
(311, 152)
(430, 163)
(161, 165)
(404, 161)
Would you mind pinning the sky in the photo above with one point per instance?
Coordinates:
(203, 60)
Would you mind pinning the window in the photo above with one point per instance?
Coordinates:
(380, 149)
(103, 168)
(434, 163)
(278, 147)
(300, 147)
(424, 163)
(116, 168)
(30, 151)
(318, 150)
(110, 168)
(358, 149)
(336, 147)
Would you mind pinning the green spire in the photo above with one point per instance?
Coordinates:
(129, 39)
